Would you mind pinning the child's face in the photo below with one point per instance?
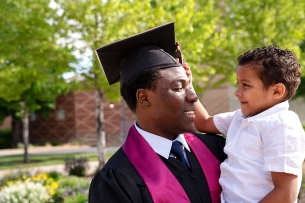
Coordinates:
(252, 95)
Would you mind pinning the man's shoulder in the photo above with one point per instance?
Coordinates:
(215, 143)
(210, 137)
(119, 165)
(117, 160)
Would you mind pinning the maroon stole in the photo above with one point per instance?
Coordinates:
(161, 183)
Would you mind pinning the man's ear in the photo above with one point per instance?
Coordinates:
(279, 91)
(142, 96)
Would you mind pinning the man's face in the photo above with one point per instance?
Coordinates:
(173, 107)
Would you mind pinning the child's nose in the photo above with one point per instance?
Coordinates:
(237, 92)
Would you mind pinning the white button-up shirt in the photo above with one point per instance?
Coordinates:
(161, 145)
(272, 141)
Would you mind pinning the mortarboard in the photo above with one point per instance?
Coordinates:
(127, 58)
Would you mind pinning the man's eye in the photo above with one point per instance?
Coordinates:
(178, 88)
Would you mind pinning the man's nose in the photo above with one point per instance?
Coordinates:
(191, 95)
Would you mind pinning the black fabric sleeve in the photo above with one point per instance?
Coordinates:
(110, 186)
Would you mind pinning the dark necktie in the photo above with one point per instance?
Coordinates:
(177, 151)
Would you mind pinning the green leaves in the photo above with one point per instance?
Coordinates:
(31, 59)
(211, 33)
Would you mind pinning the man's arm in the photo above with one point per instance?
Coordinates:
(285, 188)
(113, 186)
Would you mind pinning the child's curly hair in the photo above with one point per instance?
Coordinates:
(274, 65)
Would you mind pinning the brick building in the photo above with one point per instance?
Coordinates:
(73, 120)
(74, 117)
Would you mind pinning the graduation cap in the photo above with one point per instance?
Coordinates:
(127, 58)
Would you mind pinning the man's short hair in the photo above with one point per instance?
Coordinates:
(146, 80)
(274, 65)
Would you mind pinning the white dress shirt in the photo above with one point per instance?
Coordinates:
(272, 141)
(161, 145)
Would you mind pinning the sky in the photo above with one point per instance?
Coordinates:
(84, 59)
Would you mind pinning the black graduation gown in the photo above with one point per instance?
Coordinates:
(119, 182)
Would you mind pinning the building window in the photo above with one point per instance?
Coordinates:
(60, 114)
(33, 116)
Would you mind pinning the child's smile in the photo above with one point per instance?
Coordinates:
(251, 93)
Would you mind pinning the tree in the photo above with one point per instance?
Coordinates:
(211, 33)
(102, 22)
(301, 90)
(251, 23)
(32, 60)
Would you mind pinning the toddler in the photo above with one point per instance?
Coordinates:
(265, 142)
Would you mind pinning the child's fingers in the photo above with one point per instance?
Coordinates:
(186, 67)
(187, 70)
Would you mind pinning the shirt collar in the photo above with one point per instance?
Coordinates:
(161, 145)
(283, 106)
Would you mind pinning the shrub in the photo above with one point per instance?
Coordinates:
(74, 183)
(59, 188)
(22, 192)
(76, 166)
(14, 177)
(55, 175)
(79, 198)
(23, 177)
(74, 189)
(5, 138)
(55, 143)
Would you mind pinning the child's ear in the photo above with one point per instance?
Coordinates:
(279, 91)
(142, 96)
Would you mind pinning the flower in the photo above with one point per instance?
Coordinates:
(22, 192)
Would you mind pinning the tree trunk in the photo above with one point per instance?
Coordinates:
(25, 131)
(16, 132)
(101, 134)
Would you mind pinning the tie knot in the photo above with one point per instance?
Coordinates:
(176, 149)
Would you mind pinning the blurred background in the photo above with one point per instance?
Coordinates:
(53, 90)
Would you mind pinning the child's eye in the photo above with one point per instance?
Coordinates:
(245, 85)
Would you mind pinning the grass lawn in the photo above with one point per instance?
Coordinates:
(16, 161)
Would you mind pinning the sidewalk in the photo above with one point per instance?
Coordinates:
(54, 150)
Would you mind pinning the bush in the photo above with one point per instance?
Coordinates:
(22, 177)
(74, 189)
(21, 192)
(5, 138)
(55, 187)
(74, 183)
(55, 143)
(76, 166)
(55, 175)
(14, 177)
(79, 198)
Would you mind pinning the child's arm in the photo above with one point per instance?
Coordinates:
(285, 188)
(203, 122)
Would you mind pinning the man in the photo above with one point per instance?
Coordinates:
(148, 168)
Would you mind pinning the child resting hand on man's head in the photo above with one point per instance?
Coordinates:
(265, 142)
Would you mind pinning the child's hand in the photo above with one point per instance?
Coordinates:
(187, 70)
